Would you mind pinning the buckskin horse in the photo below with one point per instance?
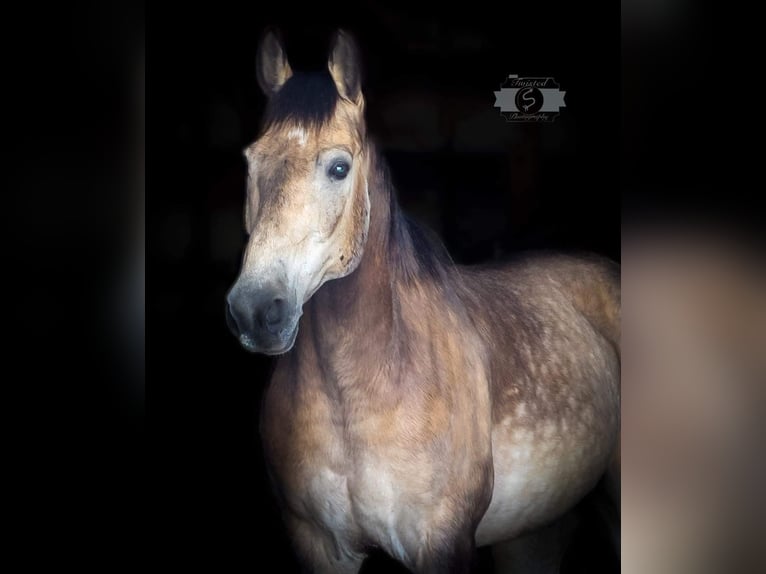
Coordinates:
(417, 406)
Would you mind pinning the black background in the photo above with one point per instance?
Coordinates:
(94, 479)
(499, 189)
(101, 481)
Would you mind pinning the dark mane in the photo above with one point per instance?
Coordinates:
(423, 250)
(307, 99)
(427, 248)
(413, 249)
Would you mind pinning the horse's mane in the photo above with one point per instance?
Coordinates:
(414, 249)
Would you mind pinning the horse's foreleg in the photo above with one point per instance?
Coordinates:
(319, 552)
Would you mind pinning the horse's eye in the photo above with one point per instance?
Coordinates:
(338, 170)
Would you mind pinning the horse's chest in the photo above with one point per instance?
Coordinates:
(365, 501)
(380, 478)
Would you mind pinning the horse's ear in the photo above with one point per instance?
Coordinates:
(345, 67)
(272, 67)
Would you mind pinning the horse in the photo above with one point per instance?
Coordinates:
(416, 406)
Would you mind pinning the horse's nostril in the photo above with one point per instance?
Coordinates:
(275, 313)
(269, 313)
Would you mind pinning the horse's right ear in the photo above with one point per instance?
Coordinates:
(272, 67)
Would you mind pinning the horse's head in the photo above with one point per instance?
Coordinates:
(307, 208)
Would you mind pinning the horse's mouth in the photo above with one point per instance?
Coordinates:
(279, 346)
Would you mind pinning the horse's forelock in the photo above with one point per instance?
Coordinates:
(307, 99)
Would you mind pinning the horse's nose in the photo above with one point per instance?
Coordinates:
(248, 313)
(271, 314)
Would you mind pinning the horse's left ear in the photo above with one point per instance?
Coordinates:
(345, 67)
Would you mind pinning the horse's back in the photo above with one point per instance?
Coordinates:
(540, 285)
(551, 325)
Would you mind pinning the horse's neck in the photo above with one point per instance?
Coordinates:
(352, 322)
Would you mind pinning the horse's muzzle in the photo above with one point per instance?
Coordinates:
(263, 320)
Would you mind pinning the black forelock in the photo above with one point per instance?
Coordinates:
(306, 98)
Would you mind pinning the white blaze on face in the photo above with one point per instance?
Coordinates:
(299, 135)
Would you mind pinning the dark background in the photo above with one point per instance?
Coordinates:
(83, 485)
(488, 188)
(97, 479)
